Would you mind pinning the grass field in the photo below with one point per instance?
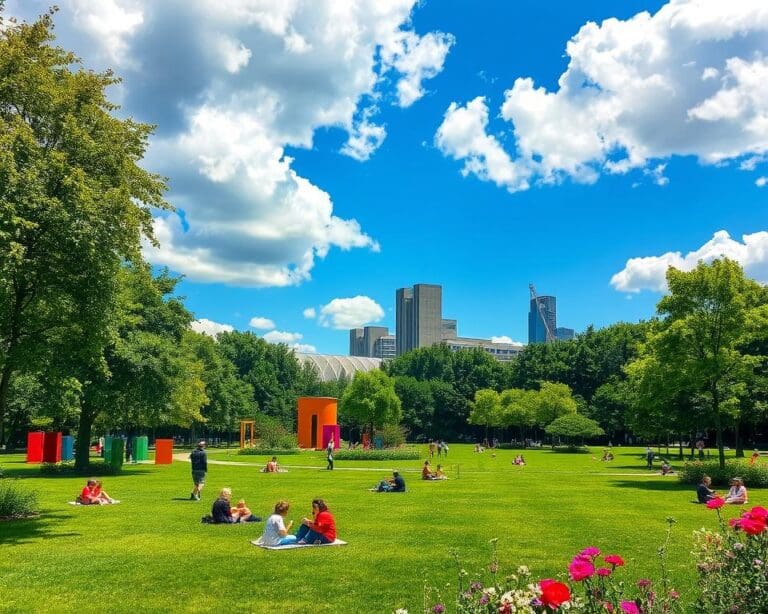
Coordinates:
(151, 553)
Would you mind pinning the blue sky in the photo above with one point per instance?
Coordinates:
(319, 156)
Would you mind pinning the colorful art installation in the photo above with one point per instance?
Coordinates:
(314, 414)
(163, 451)
(35, 447)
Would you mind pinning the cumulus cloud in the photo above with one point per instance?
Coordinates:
(291, 340)
(691, 79)
(649, 272)
(310, 313)
(209, 327)
(342, 313)
(231, 84)
(761, 181)
(505, 339)
(261, 323)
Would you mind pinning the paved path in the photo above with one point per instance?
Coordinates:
(184, 456)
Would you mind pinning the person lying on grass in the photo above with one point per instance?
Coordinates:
(92, 494)
(275, 530)
(320, 529)
(395, 484)
(222, 510)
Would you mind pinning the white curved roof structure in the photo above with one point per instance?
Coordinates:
(330, 367)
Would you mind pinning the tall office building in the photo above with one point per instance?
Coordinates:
(537, 332)
(418, 317)
(367, 342)
(449, 329)
(384, 347)
(564, 334)
(356, 347)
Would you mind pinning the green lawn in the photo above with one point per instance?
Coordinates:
(151, 553)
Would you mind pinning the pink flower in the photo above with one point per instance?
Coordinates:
(629, 607)
(758, 512)
(673, 594)
(614, 559)
(715, 503)
(603, 571)
(643, 583)
(581, 569)
(591, 551)
(751, 526)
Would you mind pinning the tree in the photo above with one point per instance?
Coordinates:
(370, 400)
(699, 344)
(552, 401)
(574, 426)
(518, 408)
(486, 409)
(417, 402)
(74, 205)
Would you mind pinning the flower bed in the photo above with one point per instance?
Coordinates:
(405, 453)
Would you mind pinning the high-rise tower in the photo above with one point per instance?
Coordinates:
(418, 317)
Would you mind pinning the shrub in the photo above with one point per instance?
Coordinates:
(56, 468)
(754, 475)
(571, 449)
(16, 501)
(405, 453)
(68, 467)
(272, 434)
(268, 451)
(393, 435)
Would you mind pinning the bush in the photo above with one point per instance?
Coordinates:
(571, 449)
(268, 451)
(16, 501)
(56, 468)
(68, 467)
(754, 475)
(406, 453)
(272, 434)
(393, 435)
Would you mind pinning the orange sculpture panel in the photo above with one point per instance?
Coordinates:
(313, 414)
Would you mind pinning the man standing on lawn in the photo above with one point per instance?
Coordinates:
(199, 460)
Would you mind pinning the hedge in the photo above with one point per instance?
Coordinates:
(268, 451)
(753, 475)
(408, 453)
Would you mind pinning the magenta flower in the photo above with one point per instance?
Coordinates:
(438, 608)
(715, 503)
(629, 607)
(591, 551)
(758, 512)
(643, 583)
(603, 571)
(581, 569)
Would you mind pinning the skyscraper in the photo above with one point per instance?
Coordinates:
(537, 331)
(564, 334)
(418, 317)
(367, 342)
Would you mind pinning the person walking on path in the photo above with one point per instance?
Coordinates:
(649, 457)
(199, 460)
(329, 454)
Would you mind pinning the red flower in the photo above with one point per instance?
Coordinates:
(751, 526)
(614, 559)
(581, 569)
(591, 551)
(603, 571)
(715, 503)
(758, 512)
(554, 593)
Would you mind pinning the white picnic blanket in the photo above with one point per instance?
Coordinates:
(257, 542)
(114, 501)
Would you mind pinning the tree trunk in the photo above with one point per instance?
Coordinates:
(5, 382)
(739, 441)
(680, 445)
(83, 441)
(719, 429)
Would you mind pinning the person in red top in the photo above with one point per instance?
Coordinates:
(320, 530)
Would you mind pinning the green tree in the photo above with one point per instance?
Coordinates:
(74, 204)
(370, 400)
(486, 409)
(698, 349)
(552, 401)
(573, 427)
(417, 402)
(518, 408)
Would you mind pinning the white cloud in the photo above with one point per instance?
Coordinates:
(310, 313)
(342, 313)
(633, 93)
(261, 323)
(761, 181)
(416, 58)
(505, 339)
(291, 340)
(649, 273)
(209, 327)
(657, 174)
(231, 84)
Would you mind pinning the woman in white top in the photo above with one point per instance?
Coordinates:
(275, 531)
(737, 493)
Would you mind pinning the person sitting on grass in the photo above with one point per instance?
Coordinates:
(426, 472)
(222, 512)
(703, 491)
(519, 460)
(275, 530)
(395, 484)
(241, 512)
(320, 529)
(86, 496)
(666, 468)
(440, 474)
(101, 494)
(737, 493)
(271, 466)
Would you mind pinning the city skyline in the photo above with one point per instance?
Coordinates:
(478, 146)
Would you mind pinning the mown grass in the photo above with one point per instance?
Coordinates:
(151, 553)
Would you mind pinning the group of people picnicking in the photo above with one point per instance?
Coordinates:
(428, 474)
(94, 494)
(737, 493)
